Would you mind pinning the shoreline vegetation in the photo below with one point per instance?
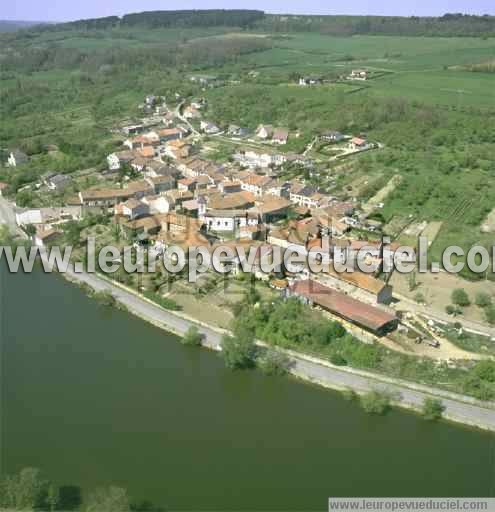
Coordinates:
(279, 361)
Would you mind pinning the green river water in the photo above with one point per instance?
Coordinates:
(95, 396)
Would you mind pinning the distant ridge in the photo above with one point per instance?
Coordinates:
(13, 25)
(456, 24)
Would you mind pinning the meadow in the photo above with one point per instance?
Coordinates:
(434, 117)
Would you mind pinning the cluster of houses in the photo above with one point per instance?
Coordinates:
(183, 199)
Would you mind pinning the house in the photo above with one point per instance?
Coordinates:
(357, 144)
(237, 131)
(155, 168)
(229, 187)
(331, 136)
(158, 204)
(256, 184)
(3, 187)
(178, 149)
(310, 80)
(306, 195)
(209, 128)
(358, 74)
(250, 158)
(132, 129)
(104, 198)
(44, 237)
(235, 201)
(116, 160)
(132, 208)
(169, 134)
(272, 208)
(177, 197)
(373, 319)
(147, 152)
(138, 142)
(161, 184)
(191, 113)
(280, 136)
(203, 79)
(47, 216)
(264, 131)
(139, 163)
(59, 182)
(227, 220)
(16, 158)
(151, 100)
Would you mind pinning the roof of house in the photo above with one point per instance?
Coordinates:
(360, 280)
(191, 205)
(125, 156)
(146, 152)
(270, 203)
(280, 134)
(167, 132)
(357, 141)
(105, 193)
(256, 180)
(132, 204)
(344, 306)
(235, 200)
(44, 234)
(268, 128)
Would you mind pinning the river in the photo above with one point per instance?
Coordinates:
(94, 396)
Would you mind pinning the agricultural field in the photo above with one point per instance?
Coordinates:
(432, 115)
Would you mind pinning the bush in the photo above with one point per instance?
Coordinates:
(350, 395)
(338, 360)
(105, 298)
(376, 402)
(483, 300)
(460, 297)
(273, 362)
(239, 351)
(420, 298)
(453, 310)
(432, 409)
(192, 337)
(490, 315)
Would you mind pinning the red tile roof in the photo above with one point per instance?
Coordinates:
(342, 305)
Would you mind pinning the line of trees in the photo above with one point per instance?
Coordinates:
(29, 490)
(445, 26)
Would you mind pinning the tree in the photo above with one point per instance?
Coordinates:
(453, 310)
(192, 337)
(433, 409)
(30, 230)
(460, 297)
(24, 491)
(376, 402)
(239, 351)
(273, 362)
(110, 499)
(483, 300)
(490, 314)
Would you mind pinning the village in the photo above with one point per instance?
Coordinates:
(162, 189)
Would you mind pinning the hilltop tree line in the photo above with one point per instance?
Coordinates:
(166, 19)
(445, 26)
(455, 24)
(201, 54)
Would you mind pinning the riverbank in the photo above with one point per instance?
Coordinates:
(458, 408)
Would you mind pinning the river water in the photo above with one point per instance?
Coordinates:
(94, 396)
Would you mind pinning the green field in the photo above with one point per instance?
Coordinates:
(433, 116)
